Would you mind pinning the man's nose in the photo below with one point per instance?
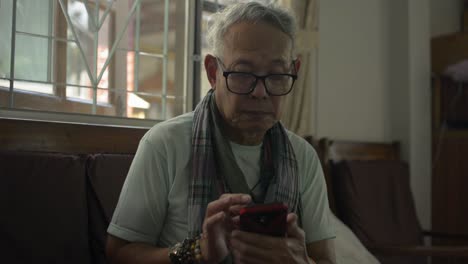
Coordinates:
(259, 90)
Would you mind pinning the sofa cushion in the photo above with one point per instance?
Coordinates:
(43, 208)
(106, 174)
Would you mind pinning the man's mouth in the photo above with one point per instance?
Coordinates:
(256, 115)
(256, 112)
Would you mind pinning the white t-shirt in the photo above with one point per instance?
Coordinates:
(153, 203)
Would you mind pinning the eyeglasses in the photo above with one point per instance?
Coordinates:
(276, 84)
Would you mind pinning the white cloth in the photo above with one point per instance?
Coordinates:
(458, 71)
(152, 207)
(348, 248)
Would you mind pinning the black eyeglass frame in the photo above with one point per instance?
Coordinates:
(262, 77)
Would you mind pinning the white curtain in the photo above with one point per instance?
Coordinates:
(298, 114)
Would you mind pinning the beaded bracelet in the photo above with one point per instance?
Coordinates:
(187, 252)
(196, 251)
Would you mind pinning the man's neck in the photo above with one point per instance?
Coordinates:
(242, 137)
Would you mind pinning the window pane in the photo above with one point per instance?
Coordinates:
(77, 73)
(149, 74)
(140, 107)
(205, 84)
(6, 8)
(33, 16)
(229, 2)
(151, 35)
(112, 107)
(150, 82)
(86, 94)
(4, 93)
(45, 88)
(148, 106)
(171, 74)
(92, 38)
(50, 104)
(79, 92)
(87, 57)
(31, 58)
(82, 72)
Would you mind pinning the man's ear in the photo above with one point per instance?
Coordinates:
(211, 66)
(297, 63)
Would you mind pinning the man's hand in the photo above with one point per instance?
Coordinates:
(256, 248)
(218, 225)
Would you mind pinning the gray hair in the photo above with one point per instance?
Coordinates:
(252, 12)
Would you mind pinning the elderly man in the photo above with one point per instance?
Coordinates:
(192, 174)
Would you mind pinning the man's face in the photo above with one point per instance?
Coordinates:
(260, 49)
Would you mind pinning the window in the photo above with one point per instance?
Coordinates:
(124, 58)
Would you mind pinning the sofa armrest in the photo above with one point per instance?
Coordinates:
(450, 236)
(437, 251)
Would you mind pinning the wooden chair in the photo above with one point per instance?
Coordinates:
(372, 195)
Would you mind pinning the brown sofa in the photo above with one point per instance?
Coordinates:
(55, 207)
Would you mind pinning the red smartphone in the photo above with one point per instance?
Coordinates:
(268, 219)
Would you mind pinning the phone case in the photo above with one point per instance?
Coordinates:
(269, 219)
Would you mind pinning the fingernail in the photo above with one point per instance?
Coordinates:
(245, 197)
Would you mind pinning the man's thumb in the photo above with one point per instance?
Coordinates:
(293, 228)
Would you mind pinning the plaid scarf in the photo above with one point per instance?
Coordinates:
(215, 171)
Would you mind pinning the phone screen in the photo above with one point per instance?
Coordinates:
(268, 219)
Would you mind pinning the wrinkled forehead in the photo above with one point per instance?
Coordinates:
(259, 40)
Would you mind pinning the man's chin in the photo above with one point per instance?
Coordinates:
(254, 127)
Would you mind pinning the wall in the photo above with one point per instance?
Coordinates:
(374, 80)
(445, 16)
(410, 97)
(353, 70)
(419, 123)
